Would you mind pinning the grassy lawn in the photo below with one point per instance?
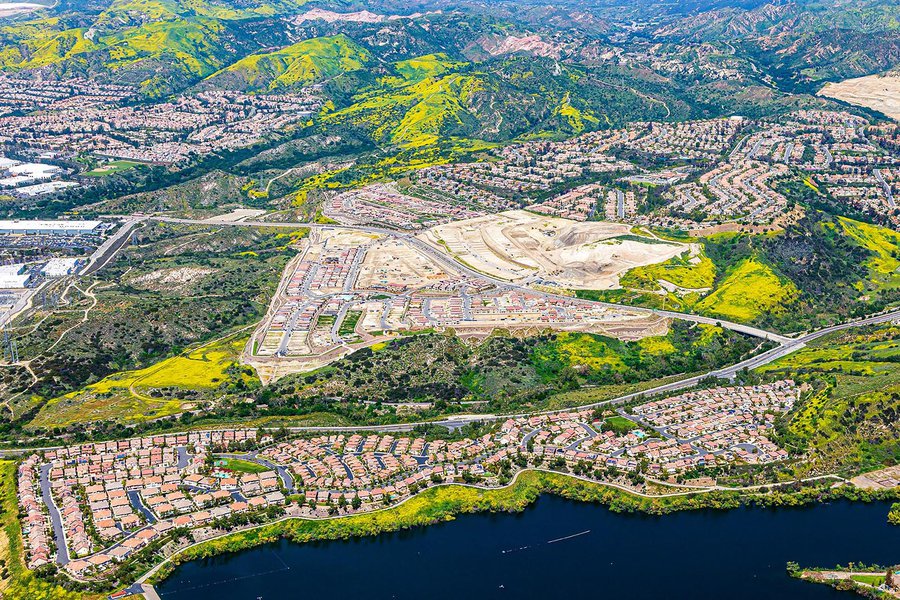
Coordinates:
(348, 325)
(240, 466)
(621, 425)
(111, 168)
(874, 580)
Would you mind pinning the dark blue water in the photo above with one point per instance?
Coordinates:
(739, 554)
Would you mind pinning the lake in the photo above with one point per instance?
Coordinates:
(559, 548)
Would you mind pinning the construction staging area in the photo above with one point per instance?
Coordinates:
(523, 247)
(348, 289)
(881, 92)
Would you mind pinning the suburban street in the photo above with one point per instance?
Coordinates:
(59, 535)
(283, 473)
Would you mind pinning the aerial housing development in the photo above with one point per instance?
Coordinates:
(276, 275)
(91, 507)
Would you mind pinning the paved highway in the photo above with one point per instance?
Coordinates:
(458, 421)
(726, 373)
(103, 254)
(787, 346)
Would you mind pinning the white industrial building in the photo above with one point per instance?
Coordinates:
(44, 188)
(50, 227)
(13, 276)
(59, 267)
(29, 173)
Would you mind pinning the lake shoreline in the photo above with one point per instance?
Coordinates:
(557, 547)
(444, 503)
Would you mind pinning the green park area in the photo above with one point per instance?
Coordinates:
(112, 168)
(238, 465)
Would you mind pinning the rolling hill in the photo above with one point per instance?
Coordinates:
(160, 45)
(305, 62)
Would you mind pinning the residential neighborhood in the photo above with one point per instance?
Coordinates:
(91, 506)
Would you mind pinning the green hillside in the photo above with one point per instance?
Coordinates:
(305, 62)
(848, 420)
(750, 290)
(433, 98)
(415, 114)
(817, 271)
(159, 44)
(431, 65)
(884, 246)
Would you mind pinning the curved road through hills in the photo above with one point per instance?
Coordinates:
(786, 346)
(792, 345)
(726, 373)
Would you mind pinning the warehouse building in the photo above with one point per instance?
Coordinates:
(59, 267)
(50, 227)
(13, 276)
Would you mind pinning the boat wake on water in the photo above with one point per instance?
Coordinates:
(553, 541)
(569, 537)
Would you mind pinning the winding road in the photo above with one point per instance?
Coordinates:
(459, 421)
(786, 346)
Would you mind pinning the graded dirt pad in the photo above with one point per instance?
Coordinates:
(237, 215)
(876, 480)
(881, 93)
(347, 238)
(393, 265)
(392, 286)
(518, 245)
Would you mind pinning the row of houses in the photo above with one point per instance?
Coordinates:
(39, 547)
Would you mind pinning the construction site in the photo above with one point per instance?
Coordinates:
(349, 289)
(523, 247)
